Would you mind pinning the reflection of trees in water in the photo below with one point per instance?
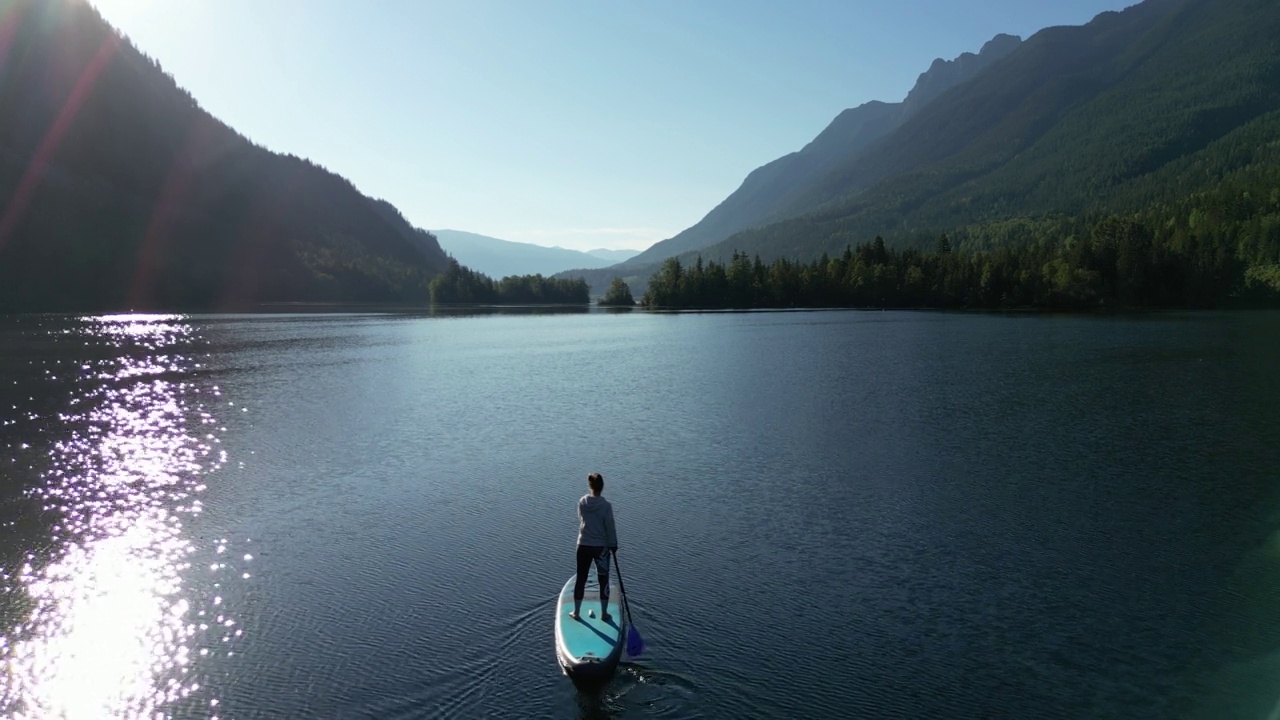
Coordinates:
(443, 310)
(480, 310)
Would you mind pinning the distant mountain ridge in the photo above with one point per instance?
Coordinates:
(613, 256)
(122, 193)
(501, 258)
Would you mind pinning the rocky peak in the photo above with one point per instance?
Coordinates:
(943, 75)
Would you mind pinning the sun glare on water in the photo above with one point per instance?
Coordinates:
(108, 633)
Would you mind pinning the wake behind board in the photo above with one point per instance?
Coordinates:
(589, 648)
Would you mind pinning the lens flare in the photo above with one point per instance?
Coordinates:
(21, 197)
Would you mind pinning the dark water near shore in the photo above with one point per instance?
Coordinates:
(842, 514)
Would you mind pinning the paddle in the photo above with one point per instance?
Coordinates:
(635, 644)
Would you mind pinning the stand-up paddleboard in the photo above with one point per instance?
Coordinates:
(589, 648)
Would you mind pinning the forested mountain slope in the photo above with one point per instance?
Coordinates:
(121, 192)
(1148, 106)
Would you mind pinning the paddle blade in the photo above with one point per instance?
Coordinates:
(635, 644)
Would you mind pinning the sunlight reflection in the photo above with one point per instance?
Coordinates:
(108, 633)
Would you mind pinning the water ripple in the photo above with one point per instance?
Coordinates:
(105, 632)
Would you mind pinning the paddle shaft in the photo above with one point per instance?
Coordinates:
(625, 605)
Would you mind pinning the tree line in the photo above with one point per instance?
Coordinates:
(459, 284)
(1121, 263)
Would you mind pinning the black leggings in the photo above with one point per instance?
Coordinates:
(588, 554)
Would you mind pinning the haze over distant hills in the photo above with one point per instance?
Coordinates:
(1133, 111)
(501, 258)
(613, 256)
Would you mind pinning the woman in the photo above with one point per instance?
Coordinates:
(597, 537)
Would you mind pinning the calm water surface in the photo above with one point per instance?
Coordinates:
(835, 514)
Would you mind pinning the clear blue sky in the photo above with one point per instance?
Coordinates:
(584, 123)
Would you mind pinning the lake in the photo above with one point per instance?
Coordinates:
(821, 514)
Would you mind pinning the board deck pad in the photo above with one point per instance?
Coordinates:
(590, 636)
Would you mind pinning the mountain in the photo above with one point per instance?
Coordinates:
(121, 192)
(773, 191)
(780, 188)
(946, 74)
(1137, 109)
(613, 256)
(501, 258)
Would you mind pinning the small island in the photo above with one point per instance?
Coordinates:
(618, 295)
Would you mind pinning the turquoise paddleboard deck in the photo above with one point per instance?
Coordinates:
(589, 648)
